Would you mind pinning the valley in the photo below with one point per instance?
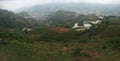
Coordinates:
(61, 36)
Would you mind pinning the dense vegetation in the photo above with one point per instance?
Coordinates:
(11, 20)
(55, 42)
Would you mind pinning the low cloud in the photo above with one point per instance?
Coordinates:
(16, 4)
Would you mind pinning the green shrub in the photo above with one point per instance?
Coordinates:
(114, 42)
(76, 52)
(2, 41)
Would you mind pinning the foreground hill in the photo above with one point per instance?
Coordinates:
(55, 46)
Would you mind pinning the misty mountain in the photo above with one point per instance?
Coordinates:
(42, 11)
(12, 20)
(24, 14)
(61, 16)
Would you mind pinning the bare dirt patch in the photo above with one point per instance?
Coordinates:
(59, 29)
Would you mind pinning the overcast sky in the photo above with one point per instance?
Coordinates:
(16, 4)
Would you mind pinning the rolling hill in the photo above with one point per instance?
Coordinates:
(12, 20)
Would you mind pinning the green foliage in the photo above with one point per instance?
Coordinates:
(110, 31)
(49, 45)
(70, 36)
(114, 42)
(7, 36)
(112, 20)
(11, 20)
(76, 52)
(97, 29)
(17, 51)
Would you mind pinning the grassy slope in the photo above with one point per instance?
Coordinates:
(17, 51)
(57, 51)
(110, 31)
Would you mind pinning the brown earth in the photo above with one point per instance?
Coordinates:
(59, 29)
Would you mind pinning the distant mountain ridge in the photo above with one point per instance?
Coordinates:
(12, 20)
(41, 11)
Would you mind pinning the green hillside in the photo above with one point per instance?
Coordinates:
(11, 20)
(56, 41)
(110, 31)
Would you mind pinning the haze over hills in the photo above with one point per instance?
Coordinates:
(41, 11)
(60, 30)
(12, 20)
